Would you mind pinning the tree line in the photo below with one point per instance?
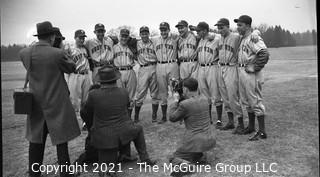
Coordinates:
(279, 37)
(273, 36)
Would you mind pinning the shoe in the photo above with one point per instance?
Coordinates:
(257, 136)
(218, 124)
(248, 130)
(228, 127)
(162, 121)
(136, 121)
(239, 130)
(154, 120)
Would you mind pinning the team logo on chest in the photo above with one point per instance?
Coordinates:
(99, 47)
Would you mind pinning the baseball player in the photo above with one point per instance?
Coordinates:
(124, 61)
(147, 77)
(167, 67)
(80, 81)
(252, 56)
(229, 80)
(208, 73)
(99, 49)
(187, 44)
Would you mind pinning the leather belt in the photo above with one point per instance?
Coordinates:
(98, 64)
(188, 60)
(224, 64)
(82, 72)
(208, 64)
(122, 68)
(148, 64)
(242, 65)
(163, 62)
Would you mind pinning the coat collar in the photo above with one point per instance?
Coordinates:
(42, 43)
(103, 86)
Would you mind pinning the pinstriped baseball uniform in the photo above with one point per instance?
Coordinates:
(187, 50)
(147, 77)
(99, 51)
(123, 59)
(208, 75)
(167, 67)
(79, 82)
(250, 84)
(229, 79)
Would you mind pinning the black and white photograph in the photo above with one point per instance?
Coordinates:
(156, 88)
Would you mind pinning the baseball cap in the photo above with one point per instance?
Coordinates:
(124, 32)
(222, 22)
(99, 26)
(144, 29)
(182, 23)
(244, 19)
(79, 33)
(202, 26)
(164, 25)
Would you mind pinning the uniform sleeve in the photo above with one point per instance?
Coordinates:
(177, 112)
(65, 63)
(86, 111)
(257, 46)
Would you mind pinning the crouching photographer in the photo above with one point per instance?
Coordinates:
(199, 136)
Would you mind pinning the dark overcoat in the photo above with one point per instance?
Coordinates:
(107, 108)
(51, 103)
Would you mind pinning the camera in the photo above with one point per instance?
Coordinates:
(177, 87)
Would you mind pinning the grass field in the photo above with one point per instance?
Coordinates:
(291, 98)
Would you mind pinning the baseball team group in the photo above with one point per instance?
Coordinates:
(227, 66)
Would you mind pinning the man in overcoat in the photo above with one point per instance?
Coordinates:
(112, 128)
(52, 111)
(199, 135)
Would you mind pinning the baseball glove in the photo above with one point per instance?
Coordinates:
(261, 60)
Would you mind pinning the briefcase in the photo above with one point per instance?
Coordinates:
(22, 101)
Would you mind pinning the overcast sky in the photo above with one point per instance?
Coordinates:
(19, 17)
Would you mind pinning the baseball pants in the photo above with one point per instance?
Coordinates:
(250, 87)
(188, 69)
(147, 78)
(165, 72)
(128, 80)
(229, 89)
(79, 85)
(208, 78)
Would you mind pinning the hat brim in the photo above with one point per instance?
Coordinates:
(141, 31)
(220, 24)
(82, 36)
(117, 76)
(237, 20)
(164, 28)
(180, 25)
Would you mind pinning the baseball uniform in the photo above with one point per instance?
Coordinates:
(250, 84)
(101, 52)
(123, 60)
(167, 67)
(147, 78)
(80, 81)
(229, 79)
(208, 73)
(186, 54)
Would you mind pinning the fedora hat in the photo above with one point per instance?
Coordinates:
(45, 28)
(107, 74)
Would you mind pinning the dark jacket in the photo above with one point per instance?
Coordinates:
(199, 136)
(51, 103)
(111, 126)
